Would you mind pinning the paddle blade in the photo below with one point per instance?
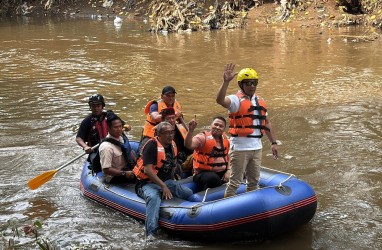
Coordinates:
(41, 179)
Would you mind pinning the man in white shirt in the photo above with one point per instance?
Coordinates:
(248, 120)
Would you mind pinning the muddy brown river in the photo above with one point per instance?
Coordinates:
(323, 90)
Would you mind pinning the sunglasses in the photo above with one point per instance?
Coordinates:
(251, 82)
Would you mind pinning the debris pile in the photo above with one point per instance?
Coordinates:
(190, 15)
(347, 12)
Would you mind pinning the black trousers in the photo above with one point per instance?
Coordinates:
(208, 179)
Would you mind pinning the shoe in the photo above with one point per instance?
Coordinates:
(249, 190)
(150, 238)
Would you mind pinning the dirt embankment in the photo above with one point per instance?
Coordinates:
(196, 15)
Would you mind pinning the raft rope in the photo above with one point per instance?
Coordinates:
(281, 183)
(203, 202)
(106, 187)
(278, 171)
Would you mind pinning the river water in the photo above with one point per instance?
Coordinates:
(323, 90)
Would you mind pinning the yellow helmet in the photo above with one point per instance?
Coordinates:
(247, 73)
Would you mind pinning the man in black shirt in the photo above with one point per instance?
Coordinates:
(155, 172)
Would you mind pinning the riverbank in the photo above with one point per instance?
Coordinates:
(317, 13)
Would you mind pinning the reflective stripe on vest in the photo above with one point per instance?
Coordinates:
(204, 160)
(139, 169)
(241, 123)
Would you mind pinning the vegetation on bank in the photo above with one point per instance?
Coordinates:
(20, 234)
(192, 15)
(12, 238)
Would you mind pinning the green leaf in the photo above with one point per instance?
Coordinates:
(41, 246)
(38, 224)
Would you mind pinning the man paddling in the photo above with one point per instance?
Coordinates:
(93, 128)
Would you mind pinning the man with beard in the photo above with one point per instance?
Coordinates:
(210, 157)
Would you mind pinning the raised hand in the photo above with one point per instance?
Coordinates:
(229, 72)
(192, 125)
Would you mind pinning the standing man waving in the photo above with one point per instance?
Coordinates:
(248, 121)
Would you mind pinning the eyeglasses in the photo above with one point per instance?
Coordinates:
(251, 82)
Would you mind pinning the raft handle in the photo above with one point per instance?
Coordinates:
(194, 211)
(205, 195)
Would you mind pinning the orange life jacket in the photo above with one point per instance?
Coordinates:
(182, 129)
(241, 122)
(139, 169)
(148, 130)
(204, 160)
(98, 129)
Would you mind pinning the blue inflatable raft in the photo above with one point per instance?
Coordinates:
(282, 204)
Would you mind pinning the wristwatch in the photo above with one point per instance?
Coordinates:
(123, 173)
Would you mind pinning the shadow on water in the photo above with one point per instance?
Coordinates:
(40, 209)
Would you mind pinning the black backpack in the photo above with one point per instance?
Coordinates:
(127, 152)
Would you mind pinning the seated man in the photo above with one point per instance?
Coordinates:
(153, 113)
(116, 157)
(168, 115)
(210, 158)
(155, 173)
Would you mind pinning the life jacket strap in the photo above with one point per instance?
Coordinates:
(252, 108)
(154, 124)
(251, 136)
(212, 164)
(252, 126)
(253, 117)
